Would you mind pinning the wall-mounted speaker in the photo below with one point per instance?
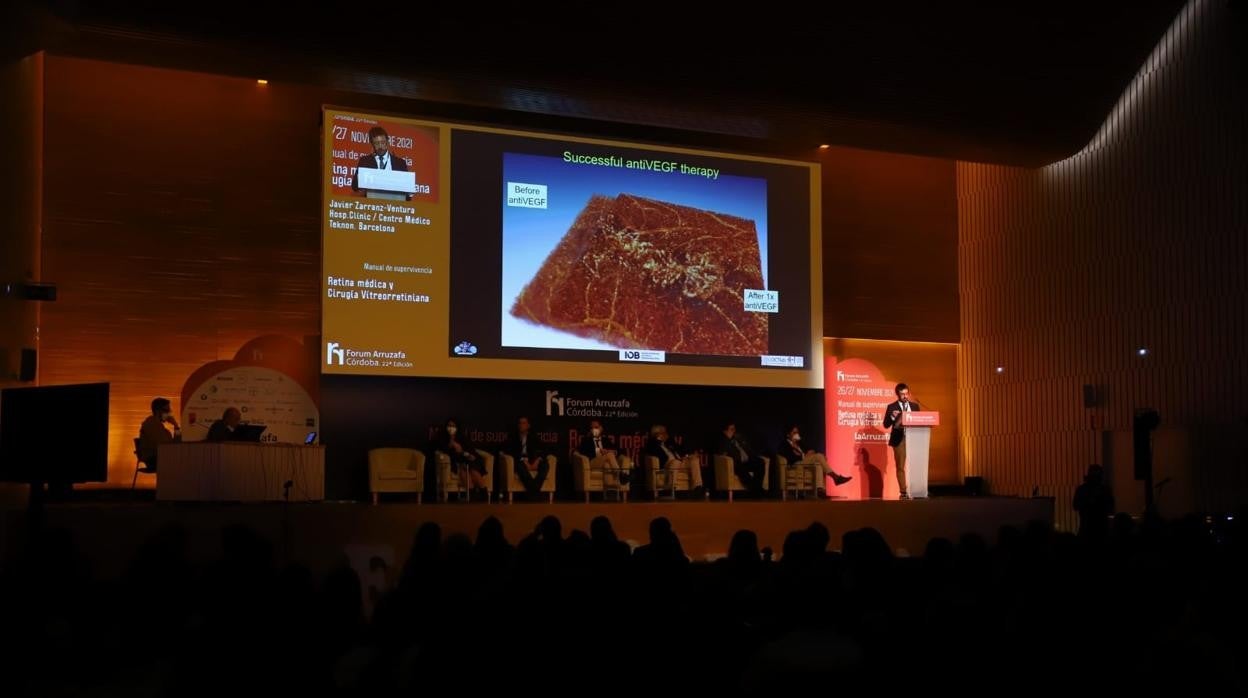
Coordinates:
(1146, 420)
(974, 486)
(30, 365)
(1090, 398)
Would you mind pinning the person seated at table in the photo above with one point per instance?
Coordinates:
(530, 459)
(226, 428)
(795, 453)
(464, 456)
(153, 433)
(672, 457)
(599, 448)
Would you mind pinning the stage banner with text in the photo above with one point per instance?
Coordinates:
(855, 395)
(271, 380)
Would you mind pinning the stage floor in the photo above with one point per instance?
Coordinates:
(318, 534)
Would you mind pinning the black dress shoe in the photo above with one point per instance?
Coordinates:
(838, 479)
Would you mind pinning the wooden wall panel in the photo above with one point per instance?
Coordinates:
(890, 246)
(21, 180)
(1137, 241)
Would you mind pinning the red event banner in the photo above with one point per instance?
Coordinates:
(416, 145)
(921, 419)
(855, 395)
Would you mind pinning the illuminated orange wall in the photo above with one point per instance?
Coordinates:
(1140, 240)
(181, 220)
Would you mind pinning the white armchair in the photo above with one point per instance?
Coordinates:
(587, 479)
(458, 480)
(396, 470)
(799, 477)
(726, 479)
(658, 478)
(512, 483)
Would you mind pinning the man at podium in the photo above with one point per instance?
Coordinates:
(381, 159)
(897, 439)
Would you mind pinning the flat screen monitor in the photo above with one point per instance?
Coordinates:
(54, 433)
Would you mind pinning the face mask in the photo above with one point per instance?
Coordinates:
(596, 431)
(451, 430)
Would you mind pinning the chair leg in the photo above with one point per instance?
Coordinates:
(374, 499)
(418, 497)
(550, 497)
(587, 496)
(135, 481)
(511, 497)
(730, 496)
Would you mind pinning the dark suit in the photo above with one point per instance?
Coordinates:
(152, 433)
(524, 451)
(749, 468)
(897, 439)
(220, 432)
(899, 432)
(793, 453)
(369, 162)
(588, 449)
(586, 446)
(654, 447)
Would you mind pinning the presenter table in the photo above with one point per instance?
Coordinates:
(240, 472)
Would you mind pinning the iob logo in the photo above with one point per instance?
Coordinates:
(334, 354)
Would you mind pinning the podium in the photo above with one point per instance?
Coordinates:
(918, 445)
(386, 184)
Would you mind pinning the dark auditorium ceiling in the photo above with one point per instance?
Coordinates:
(1010, 82)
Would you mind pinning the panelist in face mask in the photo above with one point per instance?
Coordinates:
(795, 452)
(600, 449)
(454, 443)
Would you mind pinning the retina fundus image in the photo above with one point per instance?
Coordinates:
(639, 273)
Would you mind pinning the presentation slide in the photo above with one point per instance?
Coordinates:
(452, 250)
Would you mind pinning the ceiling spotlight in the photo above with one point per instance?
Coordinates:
(1142, 351)
(1000, 369)
(825, 146)
(262, 81)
